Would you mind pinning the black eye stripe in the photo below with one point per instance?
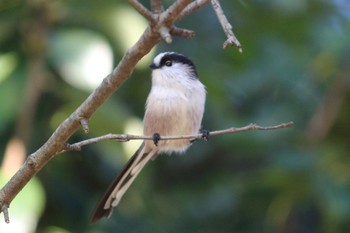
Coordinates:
(177, 58)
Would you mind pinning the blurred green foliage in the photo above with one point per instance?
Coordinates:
(295, 66)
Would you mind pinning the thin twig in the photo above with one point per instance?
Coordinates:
(128, 137)
(142, 10)
(165, 34)
(251, 127)
(84, 122)
(193, 6)
(182, 32)
(231, 38)
(167, 19)
(5, 211)
(156, 6)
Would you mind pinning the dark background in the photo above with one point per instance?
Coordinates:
(295, 66)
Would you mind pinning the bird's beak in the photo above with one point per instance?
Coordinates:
(153, 66)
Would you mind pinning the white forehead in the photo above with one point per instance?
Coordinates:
(159, 57)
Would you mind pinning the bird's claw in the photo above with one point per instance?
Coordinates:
(205, 134)
(156, 138)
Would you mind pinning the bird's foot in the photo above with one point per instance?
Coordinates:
(156, 138)
(205, 134)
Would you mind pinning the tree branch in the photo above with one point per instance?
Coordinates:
(157, 6)
(193, 6)
(143, 10)
(168, 18)
(4, 209)
(84, 124)
(182, 32)
(165, 34)
(127, 137)
(231, 38)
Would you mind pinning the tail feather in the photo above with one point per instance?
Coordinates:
(120, 184)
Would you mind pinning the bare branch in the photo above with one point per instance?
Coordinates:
(182, 32)
(128, 137)
(4, 209)
(142, 10)
(156, 6)
(193, 6)
(84, 124)
(167, 19)
(165, 34)
(231, 38)
(172, 13)
(70, 147)
(252, 127)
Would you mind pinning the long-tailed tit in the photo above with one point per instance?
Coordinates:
(175, 106)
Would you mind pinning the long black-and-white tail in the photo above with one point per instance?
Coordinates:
(121, 183)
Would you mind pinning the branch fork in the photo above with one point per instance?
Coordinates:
(162, 23)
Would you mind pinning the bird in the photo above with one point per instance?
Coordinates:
(174, 106)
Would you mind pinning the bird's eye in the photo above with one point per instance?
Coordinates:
(168, 63)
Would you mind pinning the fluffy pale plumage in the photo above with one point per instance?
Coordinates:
(175, 106)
